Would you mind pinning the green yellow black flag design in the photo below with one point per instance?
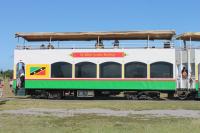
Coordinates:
(37, 70)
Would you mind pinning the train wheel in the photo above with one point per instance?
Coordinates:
(182, 95)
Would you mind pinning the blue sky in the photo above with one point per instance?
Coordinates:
(91, 15)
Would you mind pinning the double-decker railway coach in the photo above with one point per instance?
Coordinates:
(110, 66)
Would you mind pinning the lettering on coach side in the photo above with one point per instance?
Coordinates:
(97, 54)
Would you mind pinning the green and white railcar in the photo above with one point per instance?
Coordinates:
(52, 71)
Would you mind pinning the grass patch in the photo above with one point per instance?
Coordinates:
(105, 104)
(96, 124)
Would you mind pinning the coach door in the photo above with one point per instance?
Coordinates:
(20, 75)
(182, 63)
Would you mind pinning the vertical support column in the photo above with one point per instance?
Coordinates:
(181, 65)
(98, 41)
(123, 73)
(196, 72)
(73, 71)
(24, 44)
(148, 71)
(189, 67)
(148, 42)
(49, 66)
(50, 40)
(189, 70)
(97, 70)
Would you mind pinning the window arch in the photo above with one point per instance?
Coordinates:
(85, 70)
(135, 70)
(61, 70)
(161, 70)
(110, 70)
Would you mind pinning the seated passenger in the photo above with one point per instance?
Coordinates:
(99, 45)
(116, 44)
(42, 46)
(50, 46)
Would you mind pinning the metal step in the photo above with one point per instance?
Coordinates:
(21, 92)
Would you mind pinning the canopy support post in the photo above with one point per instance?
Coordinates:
(50, 40)
(148, 41)
(24, 44)
(98, 41)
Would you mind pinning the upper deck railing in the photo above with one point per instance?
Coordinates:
(92, 46)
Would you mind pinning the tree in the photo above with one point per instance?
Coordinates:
(6, 74)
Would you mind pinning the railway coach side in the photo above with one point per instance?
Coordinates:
(92, 71)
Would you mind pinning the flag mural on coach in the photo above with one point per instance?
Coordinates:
(37, 71)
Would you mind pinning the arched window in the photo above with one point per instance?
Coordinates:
(135, 70)
(161, 70)
(61, 70)
(110, 70)
(86, 70)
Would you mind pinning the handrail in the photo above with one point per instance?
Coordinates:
(92, 46)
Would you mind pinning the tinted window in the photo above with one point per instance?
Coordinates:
(61, 70)
(86, 70)
(110, 70)
(135, 70)
(161, 70)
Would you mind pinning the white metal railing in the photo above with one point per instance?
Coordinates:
(91, 46)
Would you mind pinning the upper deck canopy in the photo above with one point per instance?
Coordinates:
(87, 36)
(194, 36)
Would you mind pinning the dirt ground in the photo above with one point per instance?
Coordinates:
(104, 112)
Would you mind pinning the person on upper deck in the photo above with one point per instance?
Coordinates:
(116, 44)
(99, 45)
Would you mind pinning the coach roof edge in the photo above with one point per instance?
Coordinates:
(88, 36)
(194, 36)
